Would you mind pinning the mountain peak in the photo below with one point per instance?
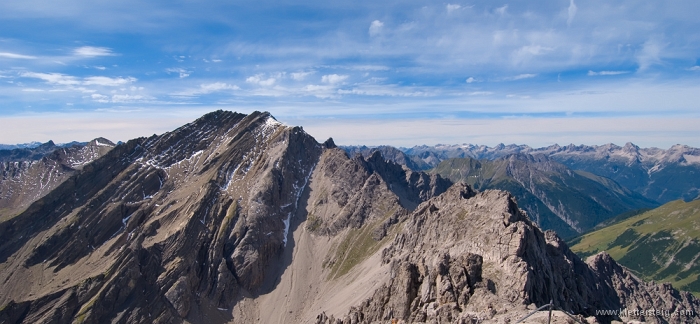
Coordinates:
(329, 143)
(101, 141)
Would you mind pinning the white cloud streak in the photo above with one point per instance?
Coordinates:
(91, 51)
(520, 77)
(452, 7)
(651, 53)
(572, 12)
(182, 72)
(16, 56)
(300, 76)
(260, 79)
(53, 78)
(108, 82)
(334, 78)
(502, 10)
(207, 88)
(593, 73)
(69, 80)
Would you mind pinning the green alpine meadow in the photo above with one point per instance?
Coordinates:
(662, 244)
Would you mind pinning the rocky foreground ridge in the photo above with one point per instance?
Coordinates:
(239, 219)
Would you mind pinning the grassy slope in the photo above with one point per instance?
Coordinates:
(662, 244)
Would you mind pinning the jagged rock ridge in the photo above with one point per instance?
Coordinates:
(467, 257)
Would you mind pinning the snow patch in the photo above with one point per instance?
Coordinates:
(655, 168)
(300, 190)
(692, 159)
(98, 143)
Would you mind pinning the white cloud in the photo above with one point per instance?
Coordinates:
(125, 98)
(320, 91)
(299, 76)
(452, 7)
(480, 93)
(72, 83)
(502, 10)
(593, 73)
(650, 53)
(365, 67)
(370, 68)
(333, 78)
(52, 78)
(207, 88)
(99, 98)
(694, 68)
(101, 68)
(16, 56)
(217, 86)
(572, 12)
(91, 51)
(107, 81)
(520, 77)
(183, 73)
(260, 80)
(386, 91)
(120, 98)
(471, 80)
(535, 49)
(32, 90)
(375, 28)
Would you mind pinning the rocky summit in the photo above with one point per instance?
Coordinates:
(237, 218)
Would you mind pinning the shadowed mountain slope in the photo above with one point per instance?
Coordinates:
(554, 196)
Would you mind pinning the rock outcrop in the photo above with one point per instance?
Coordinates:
(466, 257)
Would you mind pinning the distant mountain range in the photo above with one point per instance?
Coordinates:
(16, 146)
(27, 174)
(554, 196)
(32, 145)
(595, 182)
(662, 244)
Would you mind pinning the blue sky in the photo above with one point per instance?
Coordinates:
(364, 72)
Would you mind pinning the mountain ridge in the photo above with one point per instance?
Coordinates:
(238, 218)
